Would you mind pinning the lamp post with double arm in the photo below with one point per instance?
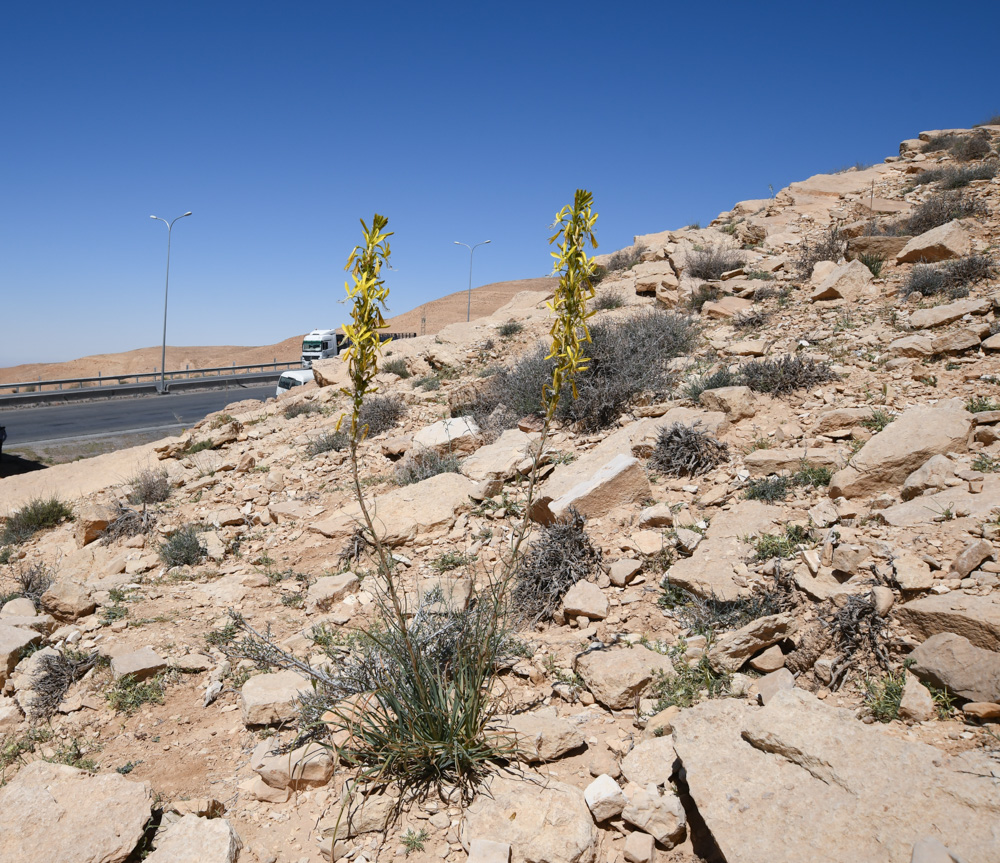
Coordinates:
(468, 311)
(166, 291)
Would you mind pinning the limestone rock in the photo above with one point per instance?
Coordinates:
(331, 589)
(309, 766)
(89, 523)
(733, 649)
(197, 840)
(543, 736)
(840, 418)
(912, 573)
(735, 402)
(903, 446)
(403, 514)
(971, 557)
(763, 462)
(616, 677)
(952, 661)
(768, 660)
(459, 436)
(542, 822)
(935, 473)
(268, 699)
(139, 664)
(916, 703)
(759, 778)
(67, 601)
(52, 812)
(13, 640)
(727, 307)
(770, 685)
(639, 848)
(650, 762)
(621, 572)
(605, 798)
(500, 459)
(488, 851)
(585, 599)
(938, 244)
(619, 482)
(955, 342)
(659, 815)
(846, 282)
(912, 346)
(976, 618)
(938, 316)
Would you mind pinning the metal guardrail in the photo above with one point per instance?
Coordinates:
(138, 377)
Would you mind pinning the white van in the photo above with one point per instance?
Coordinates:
(292, 379)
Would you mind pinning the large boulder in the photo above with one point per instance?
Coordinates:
(543, 736)
(976, 618)
(938, 316)
(13, 640)
(733, 649)
(500, 459)
(951, 661)
(458, 436)
(197, 840)
(618, 482)
(938, 244)
(268, 699)
(799, 780)
(901, 447)
(51, 812)
(713, 570)
(617, 677)
(403, 514)
(543, 822)
(844, 283)
(67, 601)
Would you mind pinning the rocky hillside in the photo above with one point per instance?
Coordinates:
(760, 609)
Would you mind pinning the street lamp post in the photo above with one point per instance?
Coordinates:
(166, 291)
(468, 311)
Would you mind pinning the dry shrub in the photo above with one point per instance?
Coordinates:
(558, 559)
(712, 262)
(683, 450)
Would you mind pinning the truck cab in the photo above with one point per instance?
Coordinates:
(319, 345)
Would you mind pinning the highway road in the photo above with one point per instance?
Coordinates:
(170, 413)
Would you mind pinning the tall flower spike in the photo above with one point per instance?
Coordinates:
(368, 292)
(569, 331)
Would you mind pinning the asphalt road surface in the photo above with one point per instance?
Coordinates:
(81, 419)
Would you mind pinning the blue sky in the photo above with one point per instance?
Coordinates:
(281, 124)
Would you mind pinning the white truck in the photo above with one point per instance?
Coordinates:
(319, 345)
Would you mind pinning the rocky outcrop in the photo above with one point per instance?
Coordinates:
(543, 822)
(53, 812)
(901, 447)
(759, 778)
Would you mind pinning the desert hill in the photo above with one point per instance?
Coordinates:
(758, 619)
(428, 318)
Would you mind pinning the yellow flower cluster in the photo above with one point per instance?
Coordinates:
(368, 292)
(569, 332)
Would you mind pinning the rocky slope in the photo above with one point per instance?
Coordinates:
(793, 654)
